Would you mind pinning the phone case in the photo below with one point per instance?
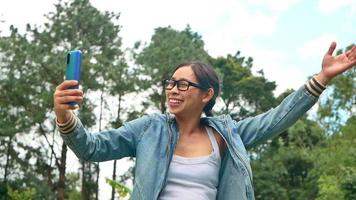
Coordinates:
(74, 59)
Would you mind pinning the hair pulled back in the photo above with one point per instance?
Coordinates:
(207, 78)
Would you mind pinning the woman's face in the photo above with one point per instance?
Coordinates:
(185, 102)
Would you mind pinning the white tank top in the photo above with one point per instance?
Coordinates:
(194, 178)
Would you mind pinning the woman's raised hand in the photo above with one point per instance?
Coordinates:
(62, 96)
(335, 65)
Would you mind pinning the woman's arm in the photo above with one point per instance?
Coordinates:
(106, 145)
(257, 129)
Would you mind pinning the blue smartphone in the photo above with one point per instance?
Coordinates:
(74, 59)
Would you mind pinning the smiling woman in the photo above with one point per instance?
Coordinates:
(183, 155)
(198, 75)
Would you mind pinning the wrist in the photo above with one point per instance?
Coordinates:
(64, 118)
(322, 79)
(68, 126)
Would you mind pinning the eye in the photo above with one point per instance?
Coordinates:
(183, 83)
(171, 82)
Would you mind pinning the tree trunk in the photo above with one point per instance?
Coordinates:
(97, 169)
(114, 179)
(58, 162)
(62, 173)
(97, 181)
(114, 167)
(89, 182)
(84, 185)
(7, 163)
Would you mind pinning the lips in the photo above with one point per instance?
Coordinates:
(174, 102)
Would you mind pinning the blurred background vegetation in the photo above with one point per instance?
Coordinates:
(313, 159)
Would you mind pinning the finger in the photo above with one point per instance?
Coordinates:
(66, 84)
(353, 61)
(351, 54)
(74, 92)
(331, 48)
(67, 107)
(350, 51)
(67, 99)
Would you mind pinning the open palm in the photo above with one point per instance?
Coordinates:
(334, 65)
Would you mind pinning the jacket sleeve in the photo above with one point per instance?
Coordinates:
(255, 130)
(106, 145)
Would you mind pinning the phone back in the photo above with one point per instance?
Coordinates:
(74, 59)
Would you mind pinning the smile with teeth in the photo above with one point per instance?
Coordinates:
(175, 101)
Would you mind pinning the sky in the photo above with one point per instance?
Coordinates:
(287, 39)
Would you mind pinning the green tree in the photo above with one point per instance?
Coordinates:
(73, 186)
(335, 162)
(284, 166)
(243, 93)
(17, 115)
(31, 62)
(25, 194)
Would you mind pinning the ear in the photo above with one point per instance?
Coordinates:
(208, 95)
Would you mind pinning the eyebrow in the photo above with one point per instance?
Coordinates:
(182, 79)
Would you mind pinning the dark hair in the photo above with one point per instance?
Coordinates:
(207, 78)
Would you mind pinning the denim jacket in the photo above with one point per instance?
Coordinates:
(152, 140)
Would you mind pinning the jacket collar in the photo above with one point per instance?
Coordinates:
(218, 122)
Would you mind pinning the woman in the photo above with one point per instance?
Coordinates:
(184, 155)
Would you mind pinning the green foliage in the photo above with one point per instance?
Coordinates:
(16, 87)
(73, 186)
(265, 170)
(335, 163)
(348, 186)
(329, 188)
(24, 194)
(243, 93)
(88, 181)
(285, 167)
(33, 64)
(304, 134)
(120, 188)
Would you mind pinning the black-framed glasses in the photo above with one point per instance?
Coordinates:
(182, 85)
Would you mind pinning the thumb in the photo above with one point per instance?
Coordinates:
(331, 49)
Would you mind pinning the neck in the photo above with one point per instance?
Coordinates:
(188, 125)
